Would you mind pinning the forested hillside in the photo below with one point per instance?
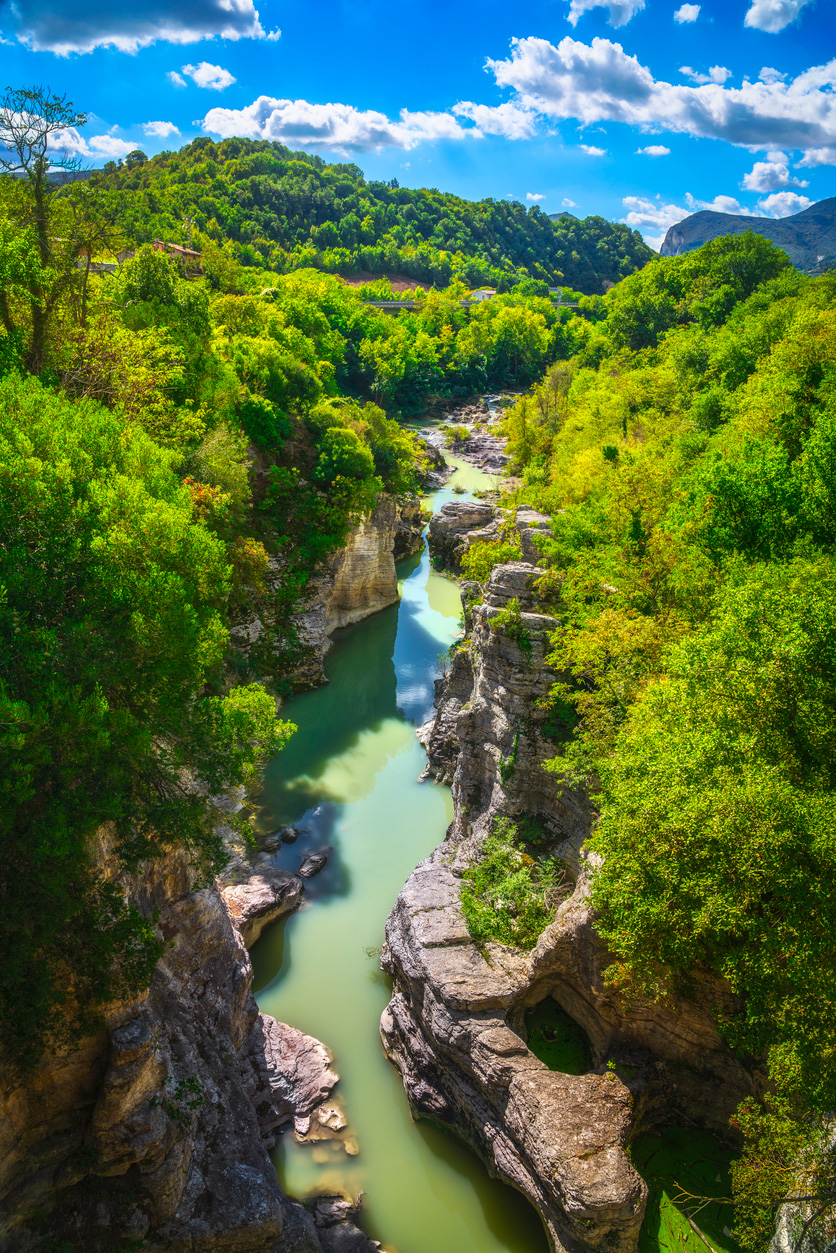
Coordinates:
(268, 206)
(687, 454)
(161, 441)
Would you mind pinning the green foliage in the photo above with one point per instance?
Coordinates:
(480, 559)
(509, 622)
(111, 602)
(287, 210)
(687, 454)
(508, 896)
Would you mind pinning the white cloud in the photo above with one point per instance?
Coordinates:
(620, 11)
(64, 28)
(653, 150)
(687, 13)
(72, 144)
(717, 74)
(591, 151)
(160, 130)
(341, 127)
(783, 203)
(599, 82)
(818, 156)
(176, 80)
(654, 218)
(215, 77)
(770, 75)
(508, 120)
(771, 175)
(773, 15)
(568, 204)
(534, 195)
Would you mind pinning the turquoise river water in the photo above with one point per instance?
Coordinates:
(348, 781)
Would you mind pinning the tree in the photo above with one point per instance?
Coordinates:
(111, 623)
(33, 121)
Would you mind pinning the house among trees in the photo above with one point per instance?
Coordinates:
(483, 293)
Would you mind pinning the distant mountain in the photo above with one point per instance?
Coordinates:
(808, 238)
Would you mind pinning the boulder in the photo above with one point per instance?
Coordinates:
(268, 894)
(312, 865)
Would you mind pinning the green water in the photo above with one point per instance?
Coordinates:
(348, 779)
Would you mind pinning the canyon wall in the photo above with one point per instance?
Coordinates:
(158, 1129)
(455, 1026)
(357, 580)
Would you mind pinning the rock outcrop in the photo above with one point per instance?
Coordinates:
(357, 580)
(808, 238)
(459, 525)
(267, 895)
(455, 1026)
(158, 1128)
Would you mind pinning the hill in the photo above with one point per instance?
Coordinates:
(808, 238)
(287, 210)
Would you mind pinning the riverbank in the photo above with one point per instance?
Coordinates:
(349, 782)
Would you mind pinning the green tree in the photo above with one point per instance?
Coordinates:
(111, 620)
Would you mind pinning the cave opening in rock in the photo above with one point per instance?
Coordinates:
(557, 1039)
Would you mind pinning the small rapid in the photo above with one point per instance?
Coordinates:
(348, 782)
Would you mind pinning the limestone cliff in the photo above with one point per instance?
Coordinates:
(357, 580)
(158, 1129)
(455, 1027)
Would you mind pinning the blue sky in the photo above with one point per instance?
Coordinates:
(640, 110)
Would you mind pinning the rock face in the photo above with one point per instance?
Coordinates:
(357, 580)
(808, 238)
(158, 1128)
(455, 1027)
(267, 895)
(459, 525)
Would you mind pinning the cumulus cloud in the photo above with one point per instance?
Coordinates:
(215, 77)
(654, 218)
(770, 75)
(783, 203)
(818, 156)
(160, 130)
(717, 74)
(687, 13)
(567, 203)
(592, 151)
(70, 143)
(508, 120)
(534, 195)
(176, 80)
(653, 150)
(599, 82)
(341, 127)
(64, 28)
(773, 15)
(620, 11)
(771, 175)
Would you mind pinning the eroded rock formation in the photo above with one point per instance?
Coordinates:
(455, 1027)
(158, 1128)
(357, 580)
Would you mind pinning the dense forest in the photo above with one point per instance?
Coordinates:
(687, 454)
(164, 439)
(267, 206)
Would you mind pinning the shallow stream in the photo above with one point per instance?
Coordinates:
(348, 781)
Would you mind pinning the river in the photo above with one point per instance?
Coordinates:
(348, 780)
